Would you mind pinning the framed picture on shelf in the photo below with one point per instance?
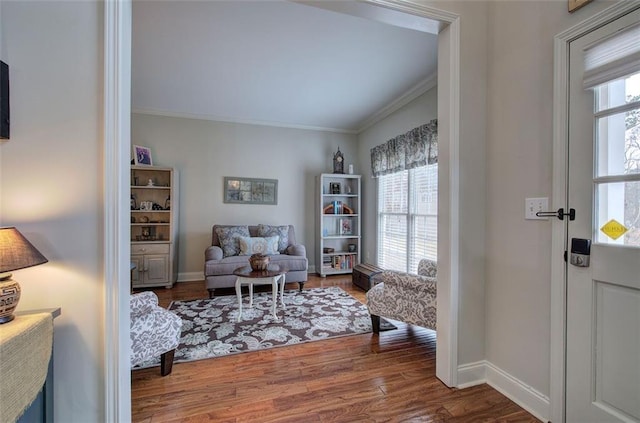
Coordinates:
(334, 188)
(142, 155)
(345, 227)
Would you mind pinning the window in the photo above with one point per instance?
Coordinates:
(617, 174)
(407, 218)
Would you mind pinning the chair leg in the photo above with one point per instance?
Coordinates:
(301, 284)
(211, 292)
(375, 323)
(166, 362)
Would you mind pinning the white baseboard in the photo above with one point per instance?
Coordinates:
(517, 391)
(190, 276)
(472, 374)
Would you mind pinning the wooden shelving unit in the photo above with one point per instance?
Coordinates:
(154, 226)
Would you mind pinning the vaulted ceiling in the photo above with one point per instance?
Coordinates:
(275, 62)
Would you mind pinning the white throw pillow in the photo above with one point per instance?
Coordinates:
(255, 245)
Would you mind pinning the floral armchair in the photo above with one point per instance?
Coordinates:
(404, 296)
(155, 332)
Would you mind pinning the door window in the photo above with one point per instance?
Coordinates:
(617, 167)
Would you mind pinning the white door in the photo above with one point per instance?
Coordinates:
(603, 300)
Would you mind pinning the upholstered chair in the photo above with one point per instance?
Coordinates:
(405, 297)
(428, 268)
(155, 331)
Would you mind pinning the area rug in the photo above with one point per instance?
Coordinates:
(210, 327)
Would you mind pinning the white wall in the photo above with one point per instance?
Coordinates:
(469, 234)
(519, 163)
(204, 152)
(420, 111)
(51, 183)
(506, 91)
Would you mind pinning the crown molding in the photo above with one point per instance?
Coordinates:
(406, 98)
(412, 8)
(227, 119)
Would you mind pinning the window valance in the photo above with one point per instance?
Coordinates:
(415, 148)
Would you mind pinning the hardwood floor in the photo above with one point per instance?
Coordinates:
(361, 378)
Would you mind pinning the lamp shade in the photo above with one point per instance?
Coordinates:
(16, 252)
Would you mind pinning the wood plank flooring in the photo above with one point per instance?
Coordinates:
(361, 378)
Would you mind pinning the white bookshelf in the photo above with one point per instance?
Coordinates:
(338, 223)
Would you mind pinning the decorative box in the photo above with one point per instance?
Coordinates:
(362, 274)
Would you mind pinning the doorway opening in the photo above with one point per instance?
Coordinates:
(117, 152)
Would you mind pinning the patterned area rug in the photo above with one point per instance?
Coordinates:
(210, 327)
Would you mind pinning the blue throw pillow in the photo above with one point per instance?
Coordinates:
(281, 231)
(228, 239)
(255, 245)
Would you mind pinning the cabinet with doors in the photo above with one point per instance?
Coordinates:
(337, 223)
(154, 226)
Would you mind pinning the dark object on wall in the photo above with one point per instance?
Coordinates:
(4, 100)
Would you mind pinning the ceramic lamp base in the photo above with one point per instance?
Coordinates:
(9, 297)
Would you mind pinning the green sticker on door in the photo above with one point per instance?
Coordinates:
(613, 229)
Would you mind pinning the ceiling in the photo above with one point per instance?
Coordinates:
(277, 62)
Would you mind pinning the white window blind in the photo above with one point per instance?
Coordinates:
(407, 218)
(613, 58)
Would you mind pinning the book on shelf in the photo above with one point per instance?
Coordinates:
(341, 262)
(334, 207)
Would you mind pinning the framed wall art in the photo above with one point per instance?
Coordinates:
(250, 190)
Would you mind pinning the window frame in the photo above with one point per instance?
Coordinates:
(411, 215)
(604, 108)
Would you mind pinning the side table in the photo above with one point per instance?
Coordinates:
(32, 330)
(272, 276)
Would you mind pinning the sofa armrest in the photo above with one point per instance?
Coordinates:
(142, 303)
(213, 253)
(297, 250)
(424, 285)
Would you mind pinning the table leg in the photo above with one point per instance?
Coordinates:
(250, 294)
(274, 290)
(282, 280)
(239, 295)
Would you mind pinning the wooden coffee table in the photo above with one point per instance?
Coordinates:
(272, 276)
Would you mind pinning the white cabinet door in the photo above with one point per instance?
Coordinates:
(156, 268)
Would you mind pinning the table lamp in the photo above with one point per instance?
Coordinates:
(15, 253)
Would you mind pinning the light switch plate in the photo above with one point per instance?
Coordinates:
(534, 205)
